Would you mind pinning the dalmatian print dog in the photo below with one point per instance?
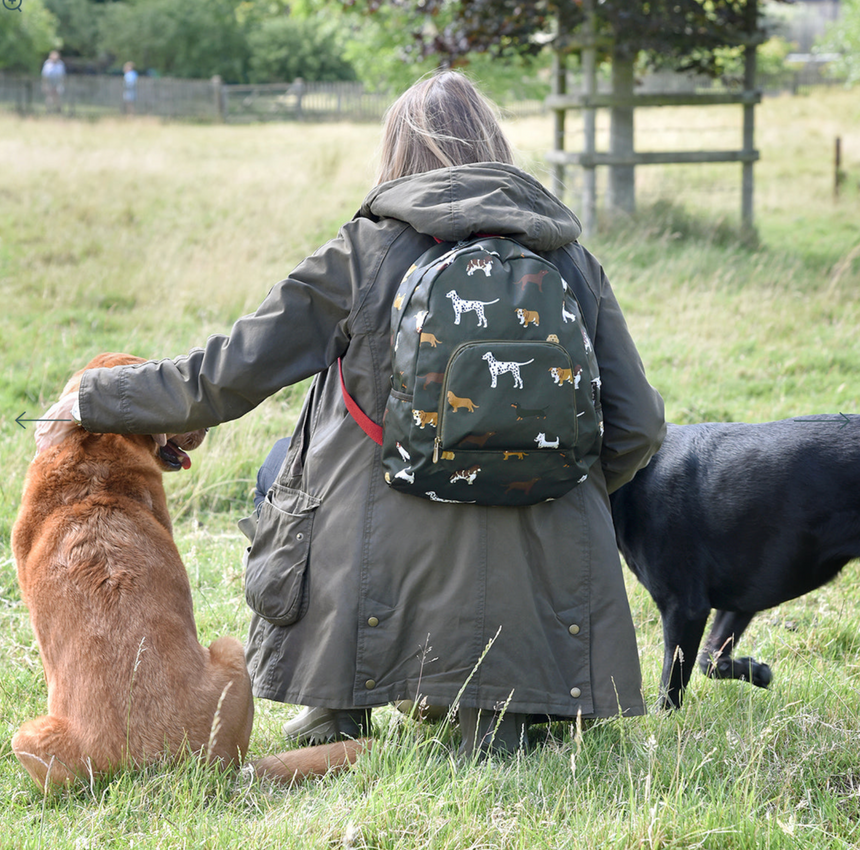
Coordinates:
(462, 306)
(502, 367)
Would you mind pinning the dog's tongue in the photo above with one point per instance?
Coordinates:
(183, 458)
(174, 455)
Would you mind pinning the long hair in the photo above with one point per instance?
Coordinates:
(440, 121)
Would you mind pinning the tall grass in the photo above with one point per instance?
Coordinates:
(144, 237)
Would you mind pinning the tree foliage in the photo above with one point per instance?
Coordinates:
(194, 38)
(25, 39)
(285, 47)
(843, 38)
(682, 34)
(262, 40)
(78, 23)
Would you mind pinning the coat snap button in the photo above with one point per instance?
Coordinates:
(370, 684)
(575, 693)
(373, 621)
(574, 629)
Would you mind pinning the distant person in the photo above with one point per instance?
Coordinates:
(53, 81)
(129, 88)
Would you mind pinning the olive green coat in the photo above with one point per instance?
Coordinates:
(373, 595)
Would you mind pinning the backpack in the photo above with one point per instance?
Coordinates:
(495, 391)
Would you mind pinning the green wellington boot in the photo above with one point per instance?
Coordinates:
(323, 725)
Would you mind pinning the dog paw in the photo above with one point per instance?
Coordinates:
(759, 674)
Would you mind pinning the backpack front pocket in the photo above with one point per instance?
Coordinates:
(514, 395)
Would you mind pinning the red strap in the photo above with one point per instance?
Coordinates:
(363, 421)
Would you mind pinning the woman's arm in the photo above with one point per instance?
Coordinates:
(633, 411)
(298, 330)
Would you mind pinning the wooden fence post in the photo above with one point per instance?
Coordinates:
(218, 95)
(622, 178)
(298, 89)
(589, 123)
(559, 86)
(25, 97)
(747, 184)
(838, 173)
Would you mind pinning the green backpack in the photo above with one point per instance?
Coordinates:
(495, 392)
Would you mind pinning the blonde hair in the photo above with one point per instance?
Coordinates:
(440, 121)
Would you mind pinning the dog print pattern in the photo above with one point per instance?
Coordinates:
(524, 323)
(463, 306)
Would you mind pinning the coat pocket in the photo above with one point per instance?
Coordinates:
(278, 557)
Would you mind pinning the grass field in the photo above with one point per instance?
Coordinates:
(146, 237)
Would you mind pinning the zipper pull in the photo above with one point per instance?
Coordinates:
(437, 444)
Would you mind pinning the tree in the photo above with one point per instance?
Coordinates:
(77, 25)
(25, 39)
(682, 34)
(192, 38)
(283, 48)
(843, 37)
(392, 43)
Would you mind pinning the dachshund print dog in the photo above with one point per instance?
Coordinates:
(529, 413)
(478, 439)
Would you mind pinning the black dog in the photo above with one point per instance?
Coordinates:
(739, 518)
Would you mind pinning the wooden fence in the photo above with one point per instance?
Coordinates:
(95, 95)
(300, 101)
(91, 95)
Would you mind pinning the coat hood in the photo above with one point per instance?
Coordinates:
(490, 197)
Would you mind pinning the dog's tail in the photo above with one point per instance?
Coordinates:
(296, 766)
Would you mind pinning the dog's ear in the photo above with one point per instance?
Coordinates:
(108, 360)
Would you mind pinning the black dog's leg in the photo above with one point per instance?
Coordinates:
(716, 659)
(681, 638)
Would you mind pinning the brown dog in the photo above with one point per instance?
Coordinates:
(110, 604)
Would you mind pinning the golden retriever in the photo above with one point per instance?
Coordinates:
(110, 605)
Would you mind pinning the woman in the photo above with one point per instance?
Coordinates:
(364, 595)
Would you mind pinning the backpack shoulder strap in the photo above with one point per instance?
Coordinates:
(363, 421)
